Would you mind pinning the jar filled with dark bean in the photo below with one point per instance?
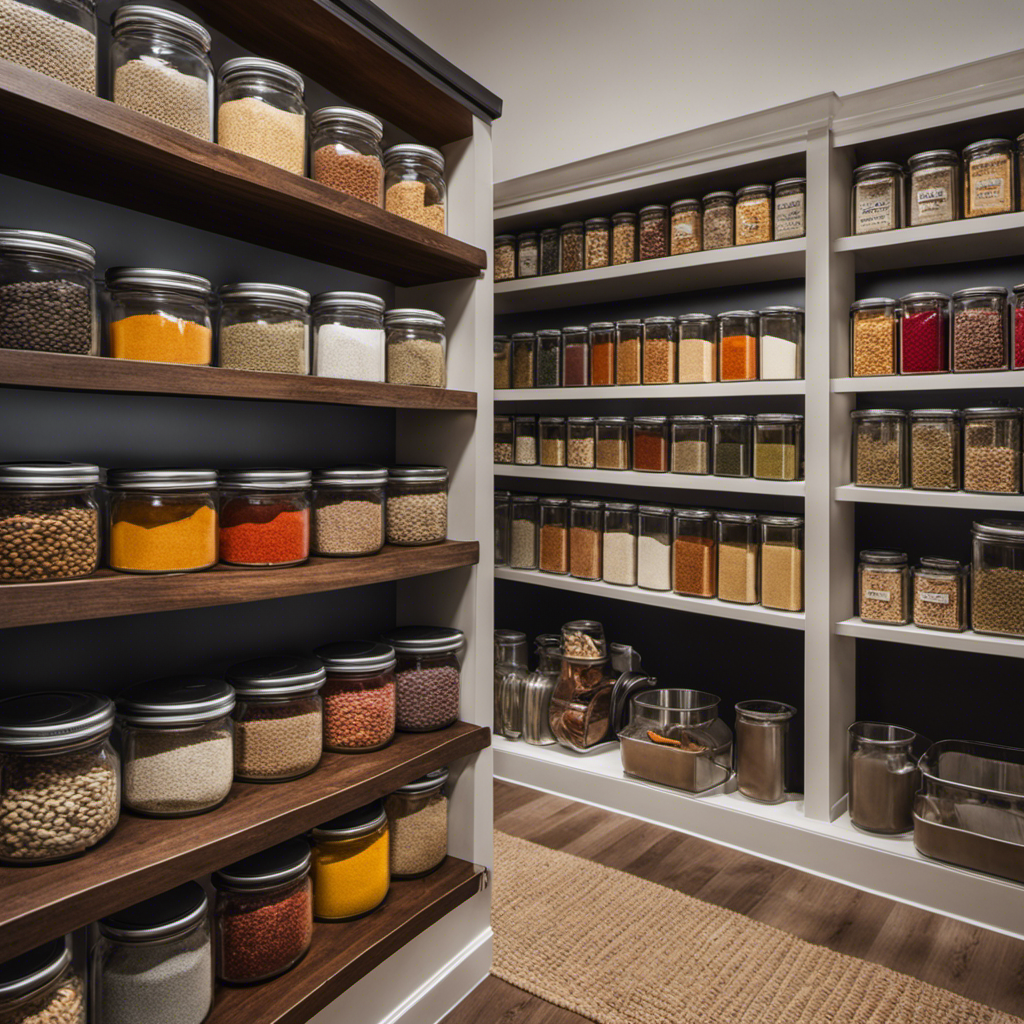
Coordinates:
(527, 255)
(504, 257)
(623, 238)
(612, 442)
(581, 452)
(629, 342)
(597, 242)
(575, 357)
(524, 360)
(691, 444)
(502, 362)
(549, 251)
(660, 359)
(653, 232)
(935, 449)
(719, 220)
(502, 527)
(754, 214)
(553, 440)
(524, 519)
(525, 444)
(940, 595)
(778, 446)
(997, 577)
(602, 354)
(504, 444)
(879, 448)
(877, 203)
(933, 187)
(686, 227)
(992, 450)
(790, 208)
(733, 444)
(549, 359)
(572, 246)
(990, 178)
(980, 329)
(427, 676)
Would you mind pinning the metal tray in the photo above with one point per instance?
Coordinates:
(969, 849)
(681, 769)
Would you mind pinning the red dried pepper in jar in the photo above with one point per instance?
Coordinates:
(264, 517)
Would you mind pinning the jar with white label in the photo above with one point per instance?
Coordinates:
(884, 582)
(528, 255)
(686, 227)
(754, 214)
(933, 187)
(989, 178)
(790, 208)
(940, 595)
(877, 203)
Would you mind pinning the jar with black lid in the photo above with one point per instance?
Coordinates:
(527, 255)
(623, 238)
(883, 586)
(686, 233)
(549, 359)
(428, 675)
(753, 214)
(550, 251)
(597, 242)
(345, 152)
(733, 444)
(572, 246)
(358, 696)
(42, 985)
(719, 218)
(264, 327)
(877, 203)
(524, 359)
(653, 231)
(504, 258)
(933, 187)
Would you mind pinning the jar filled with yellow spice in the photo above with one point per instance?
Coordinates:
(351, 872)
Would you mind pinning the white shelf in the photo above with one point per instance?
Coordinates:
(745, 264)
(932, 382)
(931, 499)
(669, 481)
(975, 643)
(729, 389)
(656, 598)
(889, 866)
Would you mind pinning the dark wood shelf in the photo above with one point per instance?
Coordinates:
(146, 856)
(110, 593)
(92, 373)
(346, 951)
(119, 156)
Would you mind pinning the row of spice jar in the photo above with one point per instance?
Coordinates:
(692, 348)
(184, 520)
(756, 213)
(741, 557)
(928, 332)
(160, 959)
(929, 191)
(768, 446)
(976, 450)
(160, 66)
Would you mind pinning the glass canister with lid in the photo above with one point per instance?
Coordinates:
(879, 449)
(351, 863)
(883, 586)
(525, 518)
(737, 345)
(571, 237)
(524, 431)
(504, 258)
(619, 542)
(877, 198)
(579, 713)
(790, 208)
(61, 782)
(992, 450)
(884, 777)
(623, 238)
(261, 112)
(550, 252)
(935, 449)
(754, 214)
(264, 327)
(42, 985)
(694, 552)
(654, 547)
(612, 442)
(733, 443)
(997, 577)
(57, 38)
(940, 594)
(278, 717)
(596, 242)
(782, 562)
(524, 359)
(762, 749)
(264, 517)
(629, 343)
(160, 66)
(417, 505)
(428, 676)
(924, 332)
(778, 446)
(414, 185)
(660, 358)
(552, 430)
(739, 550)
(348, 335)
(585, 538)
(348, 510)
(358, 696)
(502, 362)
(176, 740)
(691, 444)
(582, 449)
(781, 342)
(650, 444)
(989, 178)
(416, 347)
(602, 354)
(502, 527)
(873, 337)
(719, 220)
(346, 154)
(980, 337)
(549, 359)
(698, 348)
(418, 820)
(687, 235)
(653, 231)
(554, 535)
(933, 184)
(575, 357)
(527, 254)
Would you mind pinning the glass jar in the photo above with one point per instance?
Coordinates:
(416, 347)
(56, 503)
(527, 255)
(502, 527)
(264, 327)
(883, 583)
(653, 232)
(660, 352)
(935, 449)
(553, 439)
(585, 538)
(504, 258)
(554, 536)
(348, 336)
(997, 577)
(686, 233)
(650, 444)
(550, 253)
(623, 238)
(1018, 326)
(56, 38)
(417, 505)
(924, 333)
(612, 442)
(778, 446)
(698, 348)
(763, 749)
(153, 956)
(693, 552)
(790, 208)
(278, 715)
(162, 520)
(42, 985)
(992, 450)
(602, 354)
(933, 186)
(654, 547)
(358, 696)
(47, 293)
(691, 444)
(428, 676)
(879, 448)
(596, 243)
(739, 551)
(504, 447)
(737, 345)
(264, 913)
(884, 777)
(418, 820)
(348, 510)
(525, 517)
(990, 184)
(525, 433)
(782, 562)
(733, 440)
(160, 316)
(781, 332)
(754, 214)
(160, 66)
(877, 203)
(414, 185)
(629, 342)
(579, 712)
(719, 217)
(980, 335)
(346, 153)
(581, 452)
(575, 357)
(619, 543)
(264, 517)
(502, 362)
(61, 782)
(940, 595)
(572, 246)
(176, 740)
(261, 112)
(351, 856)
(524, 360)
(510, 671)
(873, 337)
(549, 359)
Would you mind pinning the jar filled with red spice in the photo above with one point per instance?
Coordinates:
(264, 913)
(650, 444)
(1018, 326)
(575, 357)
(602, 354)
(264, 517)
(358, 696)
(924, 333)
(737, 345)
(693, 552)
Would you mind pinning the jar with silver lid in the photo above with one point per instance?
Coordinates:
(878, 450)
(753, 214)
(42, 985)
(654, 547)
(348, 510)
(790, 208)
(686, 227)
(61, 783)
(346, 153)
(612, 451)
(782, 562)
(548, 371)
(980, 333)
(660, 359)
(990, 178)
(417, 505)
(554, 536)
(619, 543)
(428, 676)
(719, 216)
(940, 595)
(527, 254)
(550, 252)
(778, 446)
(732, 444)
(884, 585)
(261, 112)
(992, 450)
(56, 38)
(739, 550)
(935, 449)
(653, 232)
(596, 242)
(176, 742)
(524, 359)
(264, 517)
(623, 241)
(504, 258)
(997, 577)
(414, 185)
(418, 819)
(933, 187)
(873, 345)
(877, 203)
(524, 444)
(781, 343)
(264, 327)
(348, 335)
(502, 362)
(691, 444)
(571, 238)
(160, 66)
(924, 333)
(416, 347)
(698, 348)
(524, 516)
(358, 696)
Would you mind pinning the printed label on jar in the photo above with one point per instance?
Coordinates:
(874, 213)
(934, 598)
(789, 213)
(878, 595)
(987, 190)
(683, 228)
(930, 199)
(750, 226)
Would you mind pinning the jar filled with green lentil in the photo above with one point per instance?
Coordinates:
(778, 446)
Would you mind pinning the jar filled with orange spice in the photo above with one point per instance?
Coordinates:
(264, 517)
(737, 345)
(602, 354)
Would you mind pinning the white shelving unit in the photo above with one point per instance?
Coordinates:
(975, 643)
(931, 499)
(729, 389)
(932, 382)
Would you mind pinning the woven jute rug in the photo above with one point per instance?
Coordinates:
(621, 950)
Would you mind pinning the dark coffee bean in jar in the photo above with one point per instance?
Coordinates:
(427, 676)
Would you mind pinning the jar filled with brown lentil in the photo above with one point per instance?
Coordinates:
(883, 584)
(345, 152)
(358, 696)
(597, 242)
(992, 450)
(417, 505)
(980, 332)
(572, 246)
(581, 452)
(527, 255)
(659, 358)
(585, 538)
(877, 203)
(554, 536)
(694, 551)
(612, 442)
(623, 238)
(935, 449)
(502, 527)
(549, 359)
(524, 359)
(933, 187)
(552, 440)
(602, 354)
(575, 357)
(42, 985)
(997, 577)
(878, 451)
(739, 549)
(873, 337)
(687, 225)
(754, 214)
(719, 217)
(733, 443)
(348, 506)
(698, 348)
(990, 181)
(940, 595)
(504, 257)
(549, 251)
(416, 347)
(525, 444)
(778, 446)
(56, 38)
(629, 341)
(653, 232)
(650, 444)
(790, 208)
(691, 444)
(414, 185)
(502, 362)
(524, 518)
(782, 563)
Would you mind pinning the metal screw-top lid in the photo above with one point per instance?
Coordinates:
(187, 700)
(882, 557)
(583, 420)
(31, 476)
(655, 510)
(693, 513)
(637, 322)
(984, 412)
(932, 156)
(732, 417)
(549, 233)
(694, 418)
(923, 414)
(548, 332)
(258, 291)
(876, 302)
(360, 822)
(523, 336)
(344, 117)
(243, 67)
(999, 529)
(940, 566)
(351, 476)
(737, 312)
(778, 310)
(31, 971)
(425, 639)
(721, 194)
(413, 151)
(650, 421)
(132, 16)
(295, 675)
(685, 204)
(695, 318)
(429, 783)
(527, 236)
(779, 417)
(620, 506)
(736, 517)
(421, 474)
(268, 869)
(265, 479)
(504, 239)
(574, 329)
(509, 636)
(596, 222)
(572, 225)
(348, 302)
(159, 917)
(550, 419)
(413, 318)
(41, 721)
(765, 710)
(357, 657)
(975, 148)
(624, 217)
(753, 190)
(980, 292)
(860, 414)
(161, 479)
(602, 325)
(521, 499)
(553, 500)
(876, 167)
(925, 297)
(19, 242)
(150, 278)
(788, 521)
(659, 320)
(588, 504)
(787, 182)
(653, 208)
(612, 421)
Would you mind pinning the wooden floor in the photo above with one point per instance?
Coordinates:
(976, 963)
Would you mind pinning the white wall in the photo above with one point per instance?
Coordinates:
(581, 77)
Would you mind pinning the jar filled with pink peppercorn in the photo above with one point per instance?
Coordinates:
(924, 332)
(1018, 326)
(427, 676)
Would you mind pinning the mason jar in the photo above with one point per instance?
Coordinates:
(348, 511)
(653, 232)
(571, 237)
(691, 444)
(753, 214)
(878, 451)
(61, 783)
(42, 985)
(428, 676)
(414, 185)
(739, 550)
(935, 449)
(997, 577)
(629, 343)
(345, 152)
(502, 527)
(527, 255)
(504, 258)
(358, 696)
(177, 741)
(596, 242)
(990, 181)
(623, 238)
(940, 595)
(502, 362)
(525, 440)
(57, 38)
(418, 820)
(585, 538)
(733, 441)
(719, 220)
(883, 585)
(553, 440)
(160, 316)
(924, 333)
(348, 336)
(737, 345)
(524, 359)
(660, 356)
(877, 203)
(933, 187)
(504, 445)
(581, 452)
(524, 516)
(686, 233)
(550, 252)
(873, 344)
(980, 336)
(650, 444)
(351, 872)
(575, 357)
(416, 347)
(698, 348)
(619, 541)
(790, 208)
(602, 354)
(56, 503)
(778, 446)
(264, 517)
(160, 66)
(417, 505)
(612, 442)
(264, 327)
(992, 450)
(554, 535)
(261, 113)
(654, 547)
(782, 562)
(694, 553)
(781, 342)
(548, 359)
